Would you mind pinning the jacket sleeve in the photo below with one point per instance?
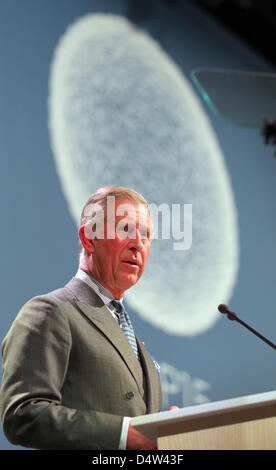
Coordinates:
(36, 353)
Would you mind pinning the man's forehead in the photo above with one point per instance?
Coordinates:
(126, 207)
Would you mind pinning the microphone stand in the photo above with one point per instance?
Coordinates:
(222, 308)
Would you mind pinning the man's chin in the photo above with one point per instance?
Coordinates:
(128, 280)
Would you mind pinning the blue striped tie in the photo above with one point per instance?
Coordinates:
(126, 325)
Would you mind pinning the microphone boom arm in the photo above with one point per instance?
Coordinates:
(234, 317)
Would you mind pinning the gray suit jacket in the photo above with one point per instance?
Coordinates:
(70, 375)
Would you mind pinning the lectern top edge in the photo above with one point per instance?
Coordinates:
(148, 424)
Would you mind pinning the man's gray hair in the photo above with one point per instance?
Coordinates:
(99, 198)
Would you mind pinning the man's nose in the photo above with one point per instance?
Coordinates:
(136, 242)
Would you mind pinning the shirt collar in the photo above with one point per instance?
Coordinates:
(97, 287)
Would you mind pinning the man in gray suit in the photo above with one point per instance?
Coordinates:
(73, 375)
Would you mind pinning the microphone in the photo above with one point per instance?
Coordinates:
(222, 308)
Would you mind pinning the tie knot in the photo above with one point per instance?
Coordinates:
(118, 306)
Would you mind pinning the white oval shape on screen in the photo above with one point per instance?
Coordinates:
(122, 113)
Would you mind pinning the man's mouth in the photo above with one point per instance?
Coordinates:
(131, 263)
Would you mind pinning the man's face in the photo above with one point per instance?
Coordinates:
(119, 262)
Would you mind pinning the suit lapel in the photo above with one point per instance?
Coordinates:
(103, 320)
(152, 377)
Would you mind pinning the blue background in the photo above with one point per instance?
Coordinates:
(39, 243)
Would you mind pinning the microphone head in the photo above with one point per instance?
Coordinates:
(225, 309)
(222, 308)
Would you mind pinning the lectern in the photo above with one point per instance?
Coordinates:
(245, 423)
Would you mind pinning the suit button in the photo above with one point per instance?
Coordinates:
(129, 395)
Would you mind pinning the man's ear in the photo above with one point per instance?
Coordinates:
(86, 242)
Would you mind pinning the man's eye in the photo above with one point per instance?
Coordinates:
(128, 228)
(144, 233)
